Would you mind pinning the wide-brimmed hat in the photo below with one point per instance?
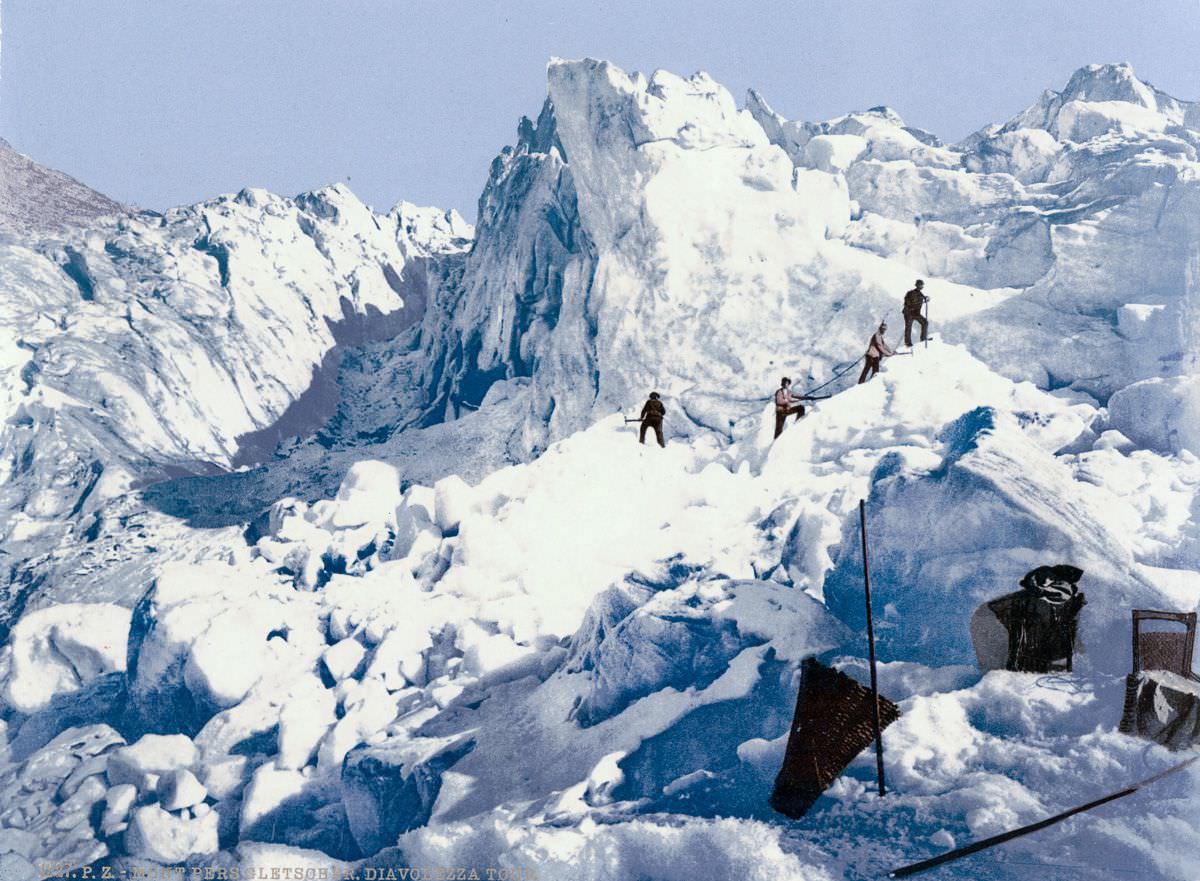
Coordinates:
(1042, 574)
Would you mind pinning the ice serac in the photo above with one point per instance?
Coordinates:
(646, 234)
(391, 788)
(1119, 202)
(1083, 208)
(1110, 86)
(747, 245)
(59, 649)
(525, 283)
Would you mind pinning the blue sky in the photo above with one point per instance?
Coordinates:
(162, 102)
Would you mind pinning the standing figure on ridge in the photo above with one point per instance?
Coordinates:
(784, 399)
(914, 302)
(877, 350)
(653, 412)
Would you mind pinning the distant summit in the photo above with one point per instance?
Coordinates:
(1110, 90)
(1115, 82)
(36, 199)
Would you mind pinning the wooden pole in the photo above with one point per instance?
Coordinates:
(1033, 827)
(862, 521)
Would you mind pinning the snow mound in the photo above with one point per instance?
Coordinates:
(159, 835)
(1160, 414)
(59, 649)
(946, 539)
(648, 659)
(203, 638)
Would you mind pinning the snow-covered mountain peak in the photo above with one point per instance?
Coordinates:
(1111, 82)
(432, 229)
(1103, 98)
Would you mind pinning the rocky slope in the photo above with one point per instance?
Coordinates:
(35, 200)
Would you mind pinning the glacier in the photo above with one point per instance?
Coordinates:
(326, 543)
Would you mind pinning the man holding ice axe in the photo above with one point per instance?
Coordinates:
(653, 412)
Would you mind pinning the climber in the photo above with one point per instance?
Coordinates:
(877, 350)
(784, 399)
(653, 412)
(914, 302)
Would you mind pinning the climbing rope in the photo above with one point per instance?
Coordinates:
(836, 376)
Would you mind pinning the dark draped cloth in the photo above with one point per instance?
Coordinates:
(1042, 620)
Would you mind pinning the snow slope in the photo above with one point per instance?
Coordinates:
(469, 622)
(640, 635)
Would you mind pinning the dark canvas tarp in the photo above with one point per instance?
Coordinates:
(832, 725)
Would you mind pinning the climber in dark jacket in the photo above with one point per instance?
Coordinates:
(914, 302)
(784, 399)
(653, 412)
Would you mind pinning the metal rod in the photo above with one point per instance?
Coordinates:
(1033, 827)
(862, 520)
